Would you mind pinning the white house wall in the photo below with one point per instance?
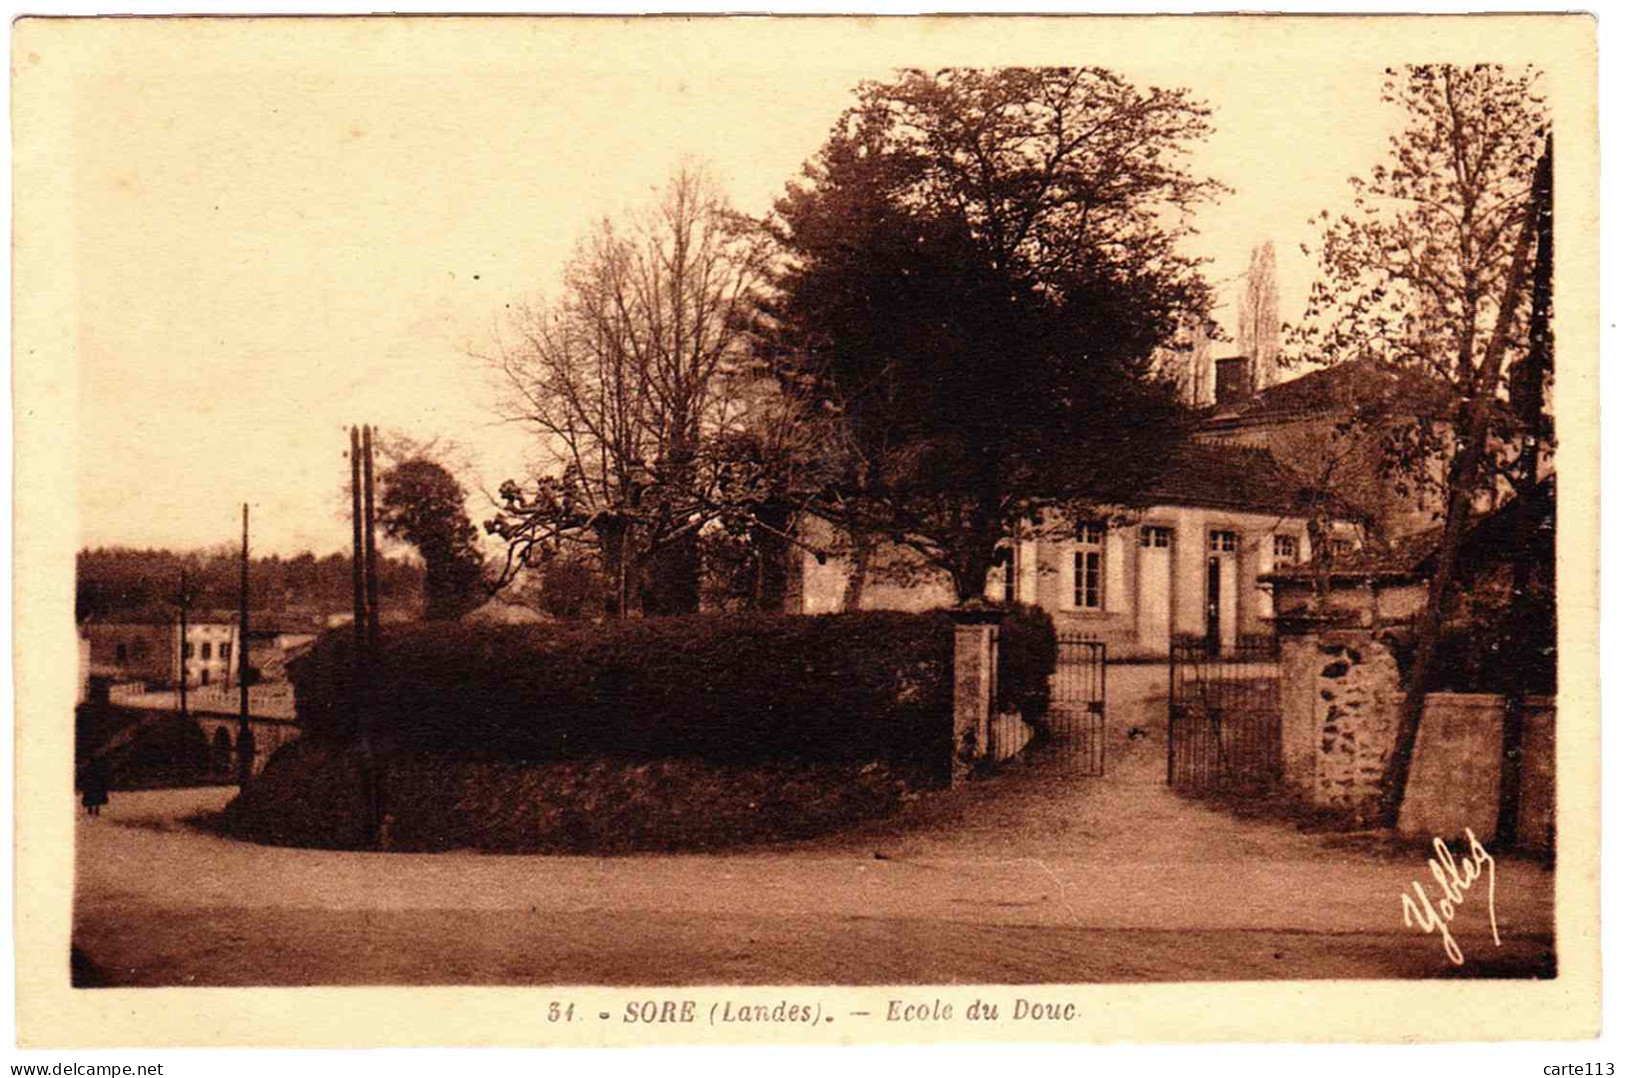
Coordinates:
(1043, 574)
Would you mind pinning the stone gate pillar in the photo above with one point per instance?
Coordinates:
(1300, 721)
(976, 672)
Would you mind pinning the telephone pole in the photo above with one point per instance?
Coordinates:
(372, 547)
(183, 600)
(245, 733)
(361, 671)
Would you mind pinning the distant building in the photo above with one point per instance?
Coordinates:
(154, 653)
(84, 670)
(1304, 423)
(500, 611)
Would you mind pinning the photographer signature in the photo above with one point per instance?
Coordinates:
(1454, 878)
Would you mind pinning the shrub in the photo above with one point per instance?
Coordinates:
(435, 802)
(1027, 654)
(738, 688)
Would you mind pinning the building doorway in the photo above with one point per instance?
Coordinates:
(1221, 591)
(1155, 611)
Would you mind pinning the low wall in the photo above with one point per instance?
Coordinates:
(1455, 776)
(1537, 797)
(1341, 700)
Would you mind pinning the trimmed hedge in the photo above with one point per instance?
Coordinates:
(736, 689)
(726, 688)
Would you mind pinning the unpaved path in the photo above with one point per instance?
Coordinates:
(1036, 875)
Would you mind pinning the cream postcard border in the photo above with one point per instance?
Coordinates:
(52, 60)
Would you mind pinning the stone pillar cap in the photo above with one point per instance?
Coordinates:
(977, 612)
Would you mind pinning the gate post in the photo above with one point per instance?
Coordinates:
(976, 671)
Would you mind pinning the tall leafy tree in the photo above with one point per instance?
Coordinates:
(1428, 277)
(1414, 272)
(423, 504)
(978, 267)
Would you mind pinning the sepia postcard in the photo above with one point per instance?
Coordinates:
(566, 531)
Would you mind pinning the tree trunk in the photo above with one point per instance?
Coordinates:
(772, 556)
(1463, 483)
(857, 574)
(670, 578)
(612, 545)
(1526, 394)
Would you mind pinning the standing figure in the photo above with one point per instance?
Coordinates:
(93, 787)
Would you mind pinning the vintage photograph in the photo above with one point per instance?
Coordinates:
(708, 504)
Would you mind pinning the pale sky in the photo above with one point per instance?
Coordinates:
(277, 237)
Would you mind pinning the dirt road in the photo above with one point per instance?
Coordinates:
(1034, 876)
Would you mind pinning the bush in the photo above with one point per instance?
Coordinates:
(592, 805)
(1027, 654)
(738, 688)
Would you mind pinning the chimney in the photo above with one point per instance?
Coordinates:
(1232, 381)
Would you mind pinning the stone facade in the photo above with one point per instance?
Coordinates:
(1339, 717)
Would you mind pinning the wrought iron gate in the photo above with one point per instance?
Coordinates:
(1224, 713)
(1074, 727)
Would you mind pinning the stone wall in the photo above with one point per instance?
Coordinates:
(1341, 700)
(1356, 711)
(975, 670)
(1455, 780)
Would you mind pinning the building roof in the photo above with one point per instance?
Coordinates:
(1242, 478)
(1341, 388)
(499, 611)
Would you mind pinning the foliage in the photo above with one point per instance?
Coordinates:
(590, 805)
(423, 504)
(1412, 276)
(639, 384)
(120, 582)
(307, 795)
(1028, 649)
(169, 751)
(1430, 278)
(569, 586)
(1493, 643)
(727, 688)
(978, 270)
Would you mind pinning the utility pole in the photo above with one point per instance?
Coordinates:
(372, 548)
(360, 603)
(245, 733)
(361, 671)
(183, 598)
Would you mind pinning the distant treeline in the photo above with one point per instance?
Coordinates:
(120, 582)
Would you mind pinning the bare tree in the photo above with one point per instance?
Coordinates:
(1428, 277)
(631, 379)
